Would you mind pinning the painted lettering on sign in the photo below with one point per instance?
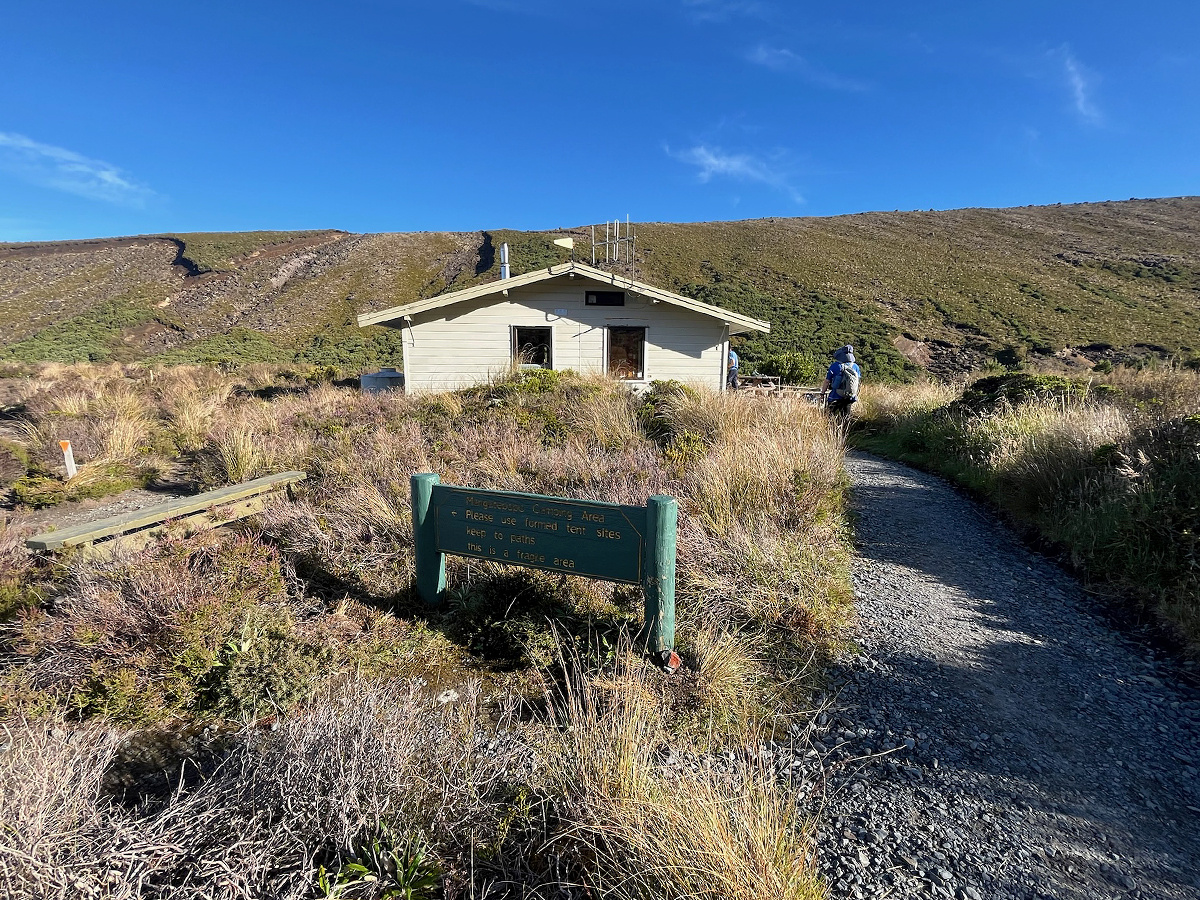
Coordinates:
(599, 540)
(633, 544)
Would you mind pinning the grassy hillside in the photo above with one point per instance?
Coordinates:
(1060, 287)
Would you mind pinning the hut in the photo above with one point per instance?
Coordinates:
(568, 316)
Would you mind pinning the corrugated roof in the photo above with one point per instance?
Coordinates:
(737, 323)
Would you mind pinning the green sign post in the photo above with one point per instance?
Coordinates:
(607, 541)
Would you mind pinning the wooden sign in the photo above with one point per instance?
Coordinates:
(607, 541)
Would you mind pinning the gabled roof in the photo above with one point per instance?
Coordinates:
(737, 323)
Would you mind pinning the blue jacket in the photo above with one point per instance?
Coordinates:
(733, 360)
(843, 358)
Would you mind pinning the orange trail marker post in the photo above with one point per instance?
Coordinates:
(68, 458)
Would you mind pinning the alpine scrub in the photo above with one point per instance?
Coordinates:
(275, 702)
(1105, 470)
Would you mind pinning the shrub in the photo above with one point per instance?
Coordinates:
(988, 393)
(262, 669)
(1107, 472)
(792, 368)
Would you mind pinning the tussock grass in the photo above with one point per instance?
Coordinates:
(281, 806)
(650, 832)
(310, 608)
(367, 771)
(729, 668)
(1106, 470)
(759, 481)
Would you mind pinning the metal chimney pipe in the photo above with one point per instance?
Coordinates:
(504, 260)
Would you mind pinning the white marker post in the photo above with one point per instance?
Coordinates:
(68, 458)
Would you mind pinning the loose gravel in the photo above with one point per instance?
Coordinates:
(996, 737)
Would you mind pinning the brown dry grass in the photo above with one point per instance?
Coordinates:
(1104, 469)
(655, 831)
(279, 806)
(327, 578)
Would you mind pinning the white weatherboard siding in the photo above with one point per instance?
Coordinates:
(471, 341)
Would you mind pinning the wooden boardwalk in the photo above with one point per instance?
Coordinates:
(138, 528)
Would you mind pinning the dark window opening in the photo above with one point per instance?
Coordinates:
(627, 353)
(604, 298)
(531, 348)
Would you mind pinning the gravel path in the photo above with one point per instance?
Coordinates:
(1040, 753)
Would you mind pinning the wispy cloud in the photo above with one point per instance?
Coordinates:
(1081, 83)
(68, 171)
(713, 162)
(781, 59)
(721, 10)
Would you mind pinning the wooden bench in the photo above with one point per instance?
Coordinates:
(192, 514)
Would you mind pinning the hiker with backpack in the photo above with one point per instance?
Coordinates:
(841, 382)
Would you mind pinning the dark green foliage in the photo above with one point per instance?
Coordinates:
(528, 251)
(17, 594)
(807, 324)
(346, 348)
(533, 399)
(263, 669)
(91, 336)
(383, 865)
(792, 368)
(40, 491)
(1163, 270)
(238, 345)
(351, 348)
(997, 390)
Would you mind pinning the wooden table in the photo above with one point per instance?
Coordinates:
(767, 382)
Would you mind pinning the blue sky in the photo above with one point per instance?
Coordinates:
(383, 115)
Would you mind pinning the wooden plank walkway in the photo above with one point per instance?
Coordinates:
(206, 510)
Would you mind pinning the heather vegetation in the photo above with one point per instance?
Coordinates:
(1105, 470)
(268, 710)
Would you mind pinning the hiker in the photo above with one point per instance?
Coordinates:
(841, 382)
(731, 378)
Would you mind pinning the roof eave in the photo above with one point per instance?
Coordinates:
(738, 324)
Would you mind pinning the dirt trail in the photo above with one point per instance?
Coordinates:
(1037, 752)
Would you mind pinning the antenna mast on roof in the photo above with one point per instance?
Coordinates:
(618, 250)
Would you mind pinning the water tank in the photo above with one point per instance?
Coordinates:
(383, 380)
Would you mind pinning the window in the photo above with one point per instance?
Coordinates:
(532, 348)
(604, 298)
(627, 353)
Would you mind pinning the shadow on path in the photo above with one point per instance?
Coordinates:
(1015, 684)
